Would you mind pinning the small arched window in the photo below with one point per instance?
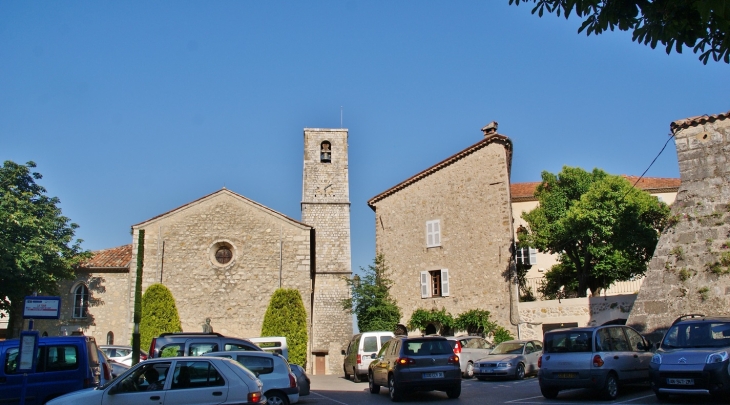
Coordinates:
(81, 301)
(110, 338)
(325, 154)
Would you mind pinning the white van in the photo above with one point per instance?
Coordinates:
(360, 353)
(273, 344)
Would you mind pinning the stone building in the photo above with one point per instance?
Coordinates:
(690, 271)
(223, 256)
(446, 233)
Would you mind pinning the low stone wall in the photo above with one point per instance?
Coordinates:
(587, 311)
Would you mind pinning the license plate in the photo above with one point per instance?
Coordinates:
(489, 371)
(680, 381)
(433, 375)
(566, 375)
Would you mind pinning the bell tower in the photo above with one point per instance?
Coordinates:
(326, 207)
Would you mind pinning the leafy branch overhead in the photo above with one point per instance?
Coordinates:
(702, 25)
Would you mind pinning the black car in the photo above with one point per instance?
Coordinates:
(693, 358)
(415, 364)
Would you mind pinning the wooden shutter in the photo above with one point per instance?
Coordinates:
(425, 278)
(436, 233)
(533, 256)
(444, 282)
(429, 234)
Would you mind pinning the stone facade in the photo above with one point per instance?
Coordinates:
(326, 206)
(469, 195)
(689, 272)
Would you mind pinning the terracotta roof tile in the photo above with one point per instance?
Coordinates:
(526, 191)
(700, 119)
(492, 138)
(118, 257)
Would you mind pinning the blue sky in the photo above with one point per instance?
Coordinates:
(131, 109)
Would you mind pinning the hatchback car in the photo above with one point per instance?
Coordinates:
(598, 357)
(692, 359)
(514, 358)
(415, 364)
(175, 381)
(302, 379)
(280, 384)
(469, 349)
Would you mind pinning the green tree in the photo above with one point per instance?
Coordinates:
(287, 317)
(602, 229)
(370, 298)
(37, 249)
(702, 25)
(159, 314)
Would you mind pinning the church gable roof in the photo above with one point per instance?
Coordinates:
(112, 258)
(489, 139)
(216, 194)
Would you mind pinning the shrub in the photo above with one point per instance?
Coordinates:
(159, 314)
(501, 335)
(475, 321)
(287, 317)
(421, 318)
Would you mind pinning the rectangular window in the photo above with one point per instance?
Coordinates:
(526, 256)
(433, 233)
(435, 283)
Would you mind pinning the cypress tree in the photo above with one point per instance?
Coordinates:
(159, 314)
(287, 317)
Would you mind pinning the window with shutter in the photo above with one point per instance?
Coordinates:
(435, 283)
(444, 283)
(433, 233)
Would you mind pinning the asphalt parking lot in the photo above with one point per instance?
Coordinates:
(332, 389)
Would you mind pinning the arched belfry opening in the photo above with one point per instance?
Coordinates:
(325, 154)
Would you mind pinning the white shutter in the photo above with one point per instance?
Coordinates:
(429, 234)
(519, 256)
(436, 233)
(425, 278)
(444, 282)
(533, 256)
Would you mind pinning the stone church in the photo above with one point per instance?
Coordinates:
(223, 256)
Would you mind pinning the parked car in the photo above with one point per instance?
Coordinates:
(513, 358)
(360, 351)
(109, 368)
(302, 379)
(692, 359)
(196, 344)
(274, 344)
(122, 354)
(470, 349)
(599, 357)
(280, 384)
(64, 364)
(175, 381)
(415, 364)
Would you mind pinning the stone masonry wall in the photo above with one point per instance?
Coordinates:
(179, 250)
(471, 199)
(689, 270)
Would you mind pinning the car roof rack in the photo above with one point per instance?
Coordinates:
(688, 316)
(191, 334)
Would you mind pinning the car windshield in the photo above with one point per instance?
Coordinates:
(697, 334)
(508, 348)
(568, 341)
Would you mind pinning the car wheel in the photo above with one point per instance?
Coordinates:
(355, 377)
(469, 373)
(662, 396)
(276, 398)
(454, 392)
(393, 392)
(520, 372)
(549, 393)
(347, 376)
(610, 387)
(374, 388)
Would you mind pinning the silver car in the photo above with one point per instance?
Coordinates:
(514, 358)
(599, 357)
(469, 349)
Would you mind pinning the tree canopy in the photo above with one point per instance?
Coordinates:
(370, 298)
(602, 229)
(702, 25)
(37, 247)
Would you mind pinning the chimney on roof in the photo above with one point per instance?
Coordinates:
(490, 129)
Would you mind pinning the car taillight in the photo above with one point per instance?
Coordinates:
(152, 348)
(254, 397)
(359, 359)
(597, 361)
(457, 348)
(107, 373)
(539, 362)
(454, 359)
(142, 357)
(292, 381)
(404, 361)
